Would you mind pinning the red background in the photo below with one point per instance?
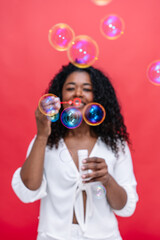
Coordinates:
(28, 62)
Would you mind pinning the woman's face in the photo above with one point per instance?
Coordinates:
(77, 85)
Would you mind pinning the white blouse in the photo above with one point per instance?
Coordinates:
(61, 193)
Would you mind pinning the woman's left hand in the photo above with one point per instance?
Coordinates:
(99, 170)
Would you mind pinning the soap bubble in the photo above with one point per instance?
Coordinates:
(65, 155)
(60, 36)
(71, 117)
(83, 51)
(94, 114)
(112, 27)
(153, 72)
(54, 117)
(99, 191)
(101, 2)
(49, 104)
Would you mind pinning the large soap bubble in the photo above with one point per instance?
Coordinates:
(49, 104)
(60, 36)
(101, 2)
(94, 114)
(83, 51)
(112, 26)
(71, 117)
(153, 72)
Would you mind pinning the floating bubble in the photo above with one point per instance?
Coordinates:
(83, 51)
(49, 104)
(71, 117)
(101, 2)
(65, 155)
(112, 27)
(153, 72)
(60, 36)
(94, 114)
(99, 191)
(53, 118)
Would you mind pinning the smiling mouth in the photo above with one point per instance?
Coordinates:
(81, 105)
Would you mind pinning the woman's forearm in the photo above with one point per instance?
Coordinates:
(116, 195)
(32, 169)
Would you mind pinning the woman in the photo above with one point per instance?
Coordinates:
(75, 206)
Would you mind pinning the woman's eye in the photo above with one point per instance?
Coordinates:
(70, 89)
(87, 90)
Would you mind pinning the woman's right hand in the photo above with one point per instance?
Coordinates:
(43, 124)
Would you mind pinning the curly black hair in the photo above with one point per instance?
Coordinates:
(112, 130)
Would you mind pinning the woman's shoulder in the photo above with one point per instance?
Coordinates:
(121, 145)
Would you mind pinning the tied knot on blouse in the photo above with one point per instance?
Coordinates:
(78, 203)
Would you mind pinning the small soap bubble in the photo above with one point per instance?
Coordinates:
(112, 27)
(101, 2)
(99, 191)
(60, 36)
(153, 72)
(94, 114)
(65, 155)
(54, 117)
(71, 117)
(83, 51)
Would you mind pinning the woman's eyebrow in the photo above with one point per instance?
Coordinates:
(89, 84)
(73, 83)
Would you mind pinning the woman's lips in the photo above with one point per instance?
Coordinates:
(81, 105)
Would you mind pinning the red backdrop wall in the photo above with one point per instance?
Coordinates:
(28, 62)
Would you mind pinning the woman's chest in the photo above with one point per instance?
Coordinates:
(75, 145)
(62, 164)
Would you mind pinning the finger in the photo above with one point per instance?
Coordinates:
(39, 115)
(93, 166)
(57, 103)
(95, 179)
(50, 101)
(94, 174)
(57, 99)
(93, 159)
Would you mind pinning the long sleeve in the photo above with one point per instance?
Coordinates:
(124, 175)
(23, 193)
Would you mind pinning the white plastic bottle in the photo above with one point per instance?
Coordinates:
(82, 154)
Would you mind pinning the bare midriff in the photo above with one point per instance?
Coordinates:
(84, 204)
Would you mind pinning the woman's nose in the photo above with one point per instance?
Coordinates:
(78, 92)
